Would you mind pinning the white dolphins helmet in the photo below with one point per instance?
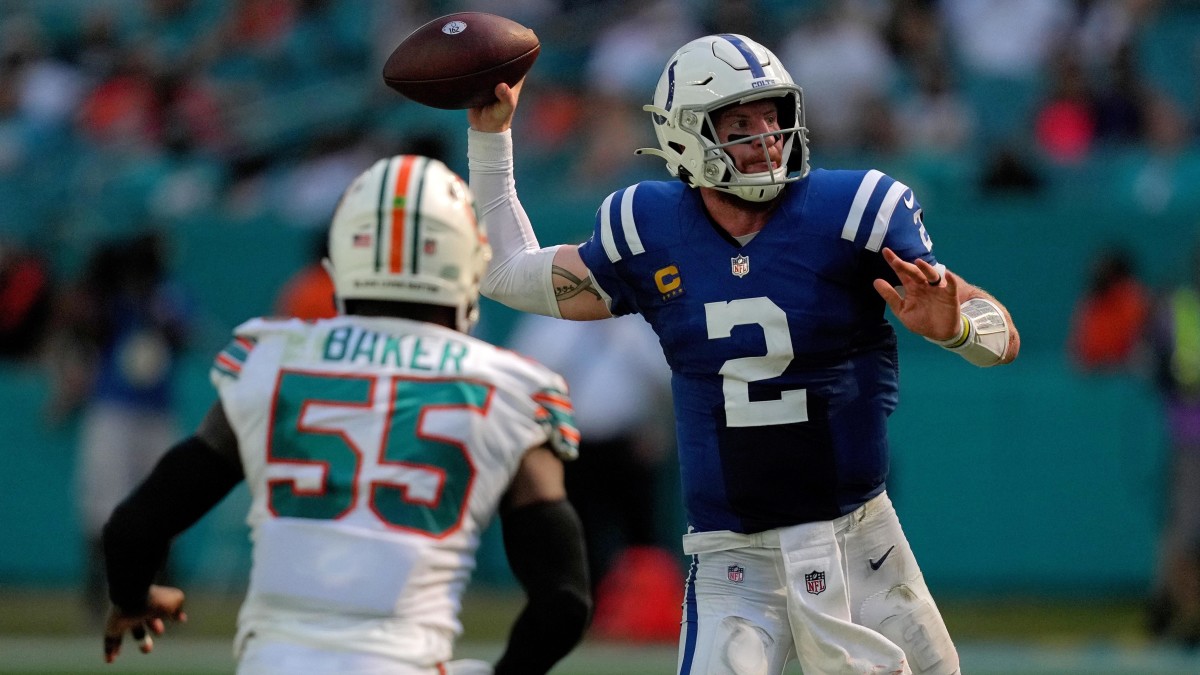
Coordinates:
(407, 230)
(710, 73)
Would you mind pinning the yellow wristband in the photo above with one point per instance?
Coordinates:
(966, 333)
(960, 339)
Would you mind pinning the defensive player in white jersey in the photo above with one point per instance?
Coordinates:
(377, 446)
(766, 283)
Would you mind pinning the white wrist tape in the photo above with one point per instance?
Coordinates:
(519, 273)
(984, 337)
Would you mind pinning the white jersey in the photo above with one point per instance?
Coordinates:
(376, 451)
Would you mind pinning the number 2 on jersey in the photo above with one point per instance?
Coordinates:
(323, 420)
(740, 411)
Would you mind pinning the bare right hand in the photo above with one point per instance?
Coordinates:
(162, 602)
(497, 117)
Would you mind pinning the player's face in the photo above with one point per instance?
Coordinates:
(745, 120)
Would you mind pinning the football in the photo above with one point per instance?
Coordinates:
(456, 61)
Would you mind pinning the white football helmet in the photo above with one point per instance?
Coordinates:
(407, 230)
(710, 73)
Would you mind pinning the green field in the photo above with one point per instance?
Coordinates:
(45, 632)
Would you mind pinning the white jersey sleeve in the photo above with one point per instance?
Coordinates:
(376, 452)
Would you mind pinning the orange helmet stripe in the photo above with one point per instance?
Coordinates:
(400, 213)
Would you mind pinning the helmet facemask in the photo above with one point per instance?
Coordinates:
(706, 76)
(720, 169)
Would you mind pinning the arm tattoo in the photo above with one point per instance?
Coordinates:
(573, 286)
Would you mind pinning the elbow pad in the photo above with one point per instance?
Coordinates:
(984, 337)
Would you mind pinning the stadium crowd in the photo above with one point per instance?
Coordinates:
(116, 116)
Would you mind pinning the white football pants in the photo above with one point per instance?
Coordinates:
(841, 597)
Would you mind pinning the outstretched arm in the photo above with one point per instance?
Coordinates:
(544, 542)
(950, 312)
(553, 281)
(186, 483)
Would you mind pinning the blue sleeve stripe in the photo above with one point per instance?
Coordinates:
(627, 225)
(606, 235)
(865, 189)
(884, 215)
(691, 621)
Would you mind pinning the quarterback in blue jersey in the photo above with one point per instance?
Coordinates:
(766, 283)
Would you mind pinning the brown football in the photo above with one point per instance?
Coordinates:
(456, 61)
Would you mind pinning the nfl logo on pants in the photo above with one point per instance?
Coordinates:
(735, 573)
(815, 581)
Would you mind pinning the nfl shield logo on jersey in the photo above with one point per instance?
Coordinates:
(815, 582)
(735, 573)
(741, 266)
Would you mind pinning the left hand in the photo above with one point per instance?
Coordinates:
(162, 602)
(930, 305)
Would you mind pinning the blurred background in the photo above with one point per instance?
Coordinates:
(168, 167)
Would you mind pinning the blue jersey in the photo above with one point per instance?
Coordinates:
(784, 368)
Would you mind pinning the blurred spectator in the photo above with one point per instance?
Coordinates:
(119, 335)
(253, 40)
(914, 32)
(841, 61)
(124, 108)
(308, 294)
(1122, 100)
(744, 17)
(1002, 48)
(622, 71)
(880, 132)
(1009, 39)
(25, 297)
(327, 39)
(309, 190)
(1008, 171)
(935, 118)
(1108, 320)
(619, 383)
(99, 44)
(1165, 177)
(47, 89)
(1107, 27)
(1065, 121)
(1174, 610)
